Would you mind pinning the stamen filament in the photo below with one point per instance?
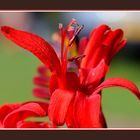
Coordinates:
(62, 40)
(76, 60)
(75, 34)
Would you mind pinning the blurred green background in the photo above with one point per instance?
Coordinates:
(18, 67)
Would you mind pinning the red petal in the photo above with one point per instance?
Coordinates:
(111, 42)
(118, 48)
(70, 118)
(83, 72)
(118, 82)
(53, 85)
(42, 70)
(6, 109)
(102, 120)
(25, 111)
(59, 103)
(114, 37)
(82, 45)
(72, 81)
(105, 47)
(41, 80)
(41, 92)
(96, 74)
(1, 126)
(93, 43)
(43, 105)
(87, 111)
(35, 44)
(23, 124)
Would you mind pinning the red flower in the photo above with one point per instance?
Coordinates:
(84, 109)
(42, 82)
(76, 97)
(14, 115)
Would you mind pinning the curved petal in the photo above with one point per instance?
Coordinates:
(87, 111)
(70, 118)
(82, 45)
(118, 82)
(41, 92)
(43, 105)
(118, 48)
(6, 109)
(35, 44)
(93, 76)
(84, 112)
(112, 44)
(113, 38)
(23, 112)
(43, 70)
(41, 80)
(96, 74)
(93, 45)
(54, 83)
(58, 107)
(106, 47)
(102, 42)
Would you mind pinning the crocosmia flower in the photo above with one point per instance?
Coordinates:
(77, 76)
(42, 83)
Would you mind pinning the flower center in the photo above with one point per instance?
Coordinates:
(68, 37)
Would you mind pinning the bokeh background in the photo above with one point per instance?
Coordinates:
(18, 67)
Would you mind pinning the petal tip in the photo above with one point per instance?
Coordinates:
(5, 29)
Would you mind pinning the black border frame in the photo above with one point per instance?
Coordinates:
(70, 5)
(96, 134)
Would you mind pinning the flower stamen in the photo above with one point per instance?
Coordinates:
(76, 59)
(79, 28)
